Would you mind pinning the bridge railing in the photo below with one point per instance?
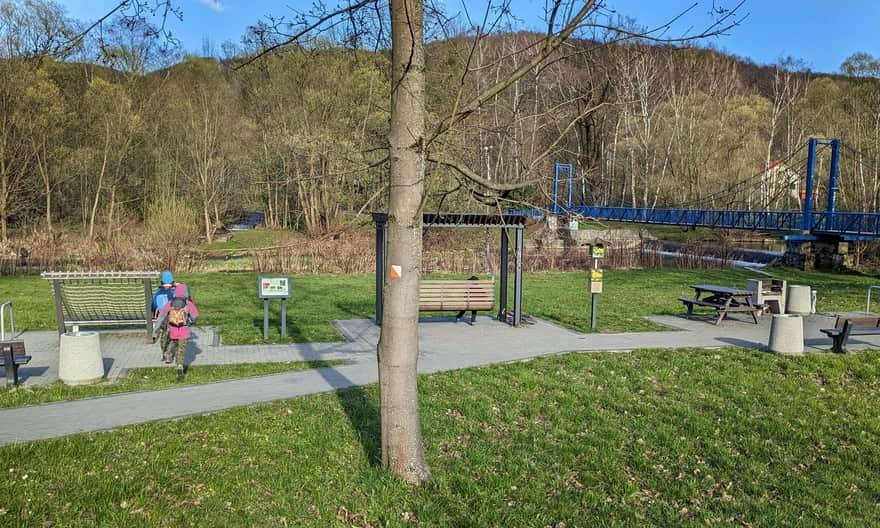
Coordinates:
(841, 223)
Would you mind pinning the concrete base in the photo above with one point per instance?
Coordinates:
(786, 334)
(798, 300)
(80, 361)
(825, 254)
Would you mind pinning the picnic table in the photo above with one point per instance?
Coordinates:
(722, 299)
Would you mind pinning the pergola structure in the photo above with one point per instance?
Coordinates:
(504, 222)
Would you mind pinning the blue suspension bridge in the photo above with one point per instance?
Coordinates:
(804, 229)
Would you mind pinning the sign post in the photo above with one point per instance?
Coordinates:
(274, 288)
(597, 251)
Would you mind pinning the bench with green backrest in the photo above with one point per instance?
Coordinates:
(847, 326)
(103, 298)
(456, 295)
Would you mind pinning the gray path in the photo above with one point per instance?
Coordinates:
(445, 345)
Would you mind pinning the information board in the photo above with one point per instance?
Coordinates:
(274, 287)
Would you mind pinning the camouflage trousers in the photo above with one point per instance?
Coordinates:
(167, 350)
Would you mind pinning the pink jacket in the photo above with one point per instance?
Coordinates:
(180, 332)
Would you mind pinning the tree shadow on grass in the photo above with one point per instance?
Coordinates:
(362, 411)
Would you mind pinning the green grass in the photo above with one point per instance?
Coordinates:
(254, 238)
(229, 302)
(149, 379)
(728, 437)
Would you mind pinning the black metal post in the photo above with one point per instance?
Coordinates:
(148, 305)
(59, 307)
(380, 268)
(283, 318)
(265, 319)
(593, 306)
(517, 280)
(502, 308)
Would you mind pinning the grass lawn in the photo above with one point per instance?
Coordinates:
(251, 239)
(728, 437)
(149, 379)
(229, 302)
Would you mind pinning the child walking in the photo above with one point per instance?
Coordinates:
(182, 313)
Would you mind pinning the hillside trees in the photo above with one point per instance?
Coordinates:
(205, 125)
(318, 115)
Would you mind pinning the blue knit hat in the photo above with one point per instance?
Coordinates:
(167, 278)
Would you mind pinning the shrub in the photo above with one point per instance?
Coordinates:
(172, 226)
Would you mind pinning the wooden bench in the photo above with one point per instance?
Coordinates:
(12, 358)
(456, 295)
(100, 298)
(845, 327)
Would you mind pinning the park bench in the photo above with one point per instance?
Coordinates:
(101, 298)
(12, 358)
(846, 326)
(456, 295)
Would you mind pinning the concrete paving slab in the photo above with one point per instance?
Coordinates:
(444, 345)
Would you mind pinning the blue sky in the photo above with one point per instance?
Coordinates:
(821, 33)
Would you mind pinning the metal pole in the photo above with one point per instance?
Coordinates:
(570, 183)
(283, 318)
(265, 319)
(594, 300)
(502, 308)
(832, 182)
(517, 284)
(380, 268)
(807, 224)
(593, 310)
(556, 188)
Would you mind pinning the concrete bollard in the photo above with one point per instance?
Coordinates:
(786, 334)
(80, 361)
(798, 300)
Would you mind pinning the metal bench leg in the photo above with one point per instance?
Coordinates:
(473, 317)
(837, 345)
(10, 367)
(721, 314)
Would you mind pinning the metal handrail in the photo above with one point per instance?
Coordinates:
(3, 320)
(868, 306)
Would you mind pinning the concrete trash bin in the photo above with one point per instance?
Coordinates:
(799, 299)
(786, 334)
(80, 361)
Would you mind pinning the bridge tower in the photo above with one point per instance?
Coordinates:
(814, 248)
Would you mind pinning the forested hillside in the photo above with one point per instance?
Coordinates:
(95, 145)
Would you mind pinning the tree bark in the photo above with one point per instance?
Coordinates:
(402, 445)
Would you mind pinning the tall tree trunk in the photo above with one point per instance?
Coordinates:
(402, 445)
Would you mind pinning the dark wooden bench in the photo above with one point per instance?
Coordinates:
(456, 295)
(12, 358)
(845, 327)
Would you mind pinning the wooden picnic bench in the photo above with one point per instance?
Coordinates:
(101, 298)
(723, 300)
(456, 295)
(846, 326)
(13, 357)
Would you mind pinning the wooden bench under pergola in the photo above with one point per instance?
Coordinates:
(461, 295)
(103, 298)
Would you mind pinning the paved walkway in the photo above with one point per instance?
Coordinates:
(444, 345)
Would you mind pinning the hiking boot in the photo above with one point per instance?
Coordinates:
(180, 372)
